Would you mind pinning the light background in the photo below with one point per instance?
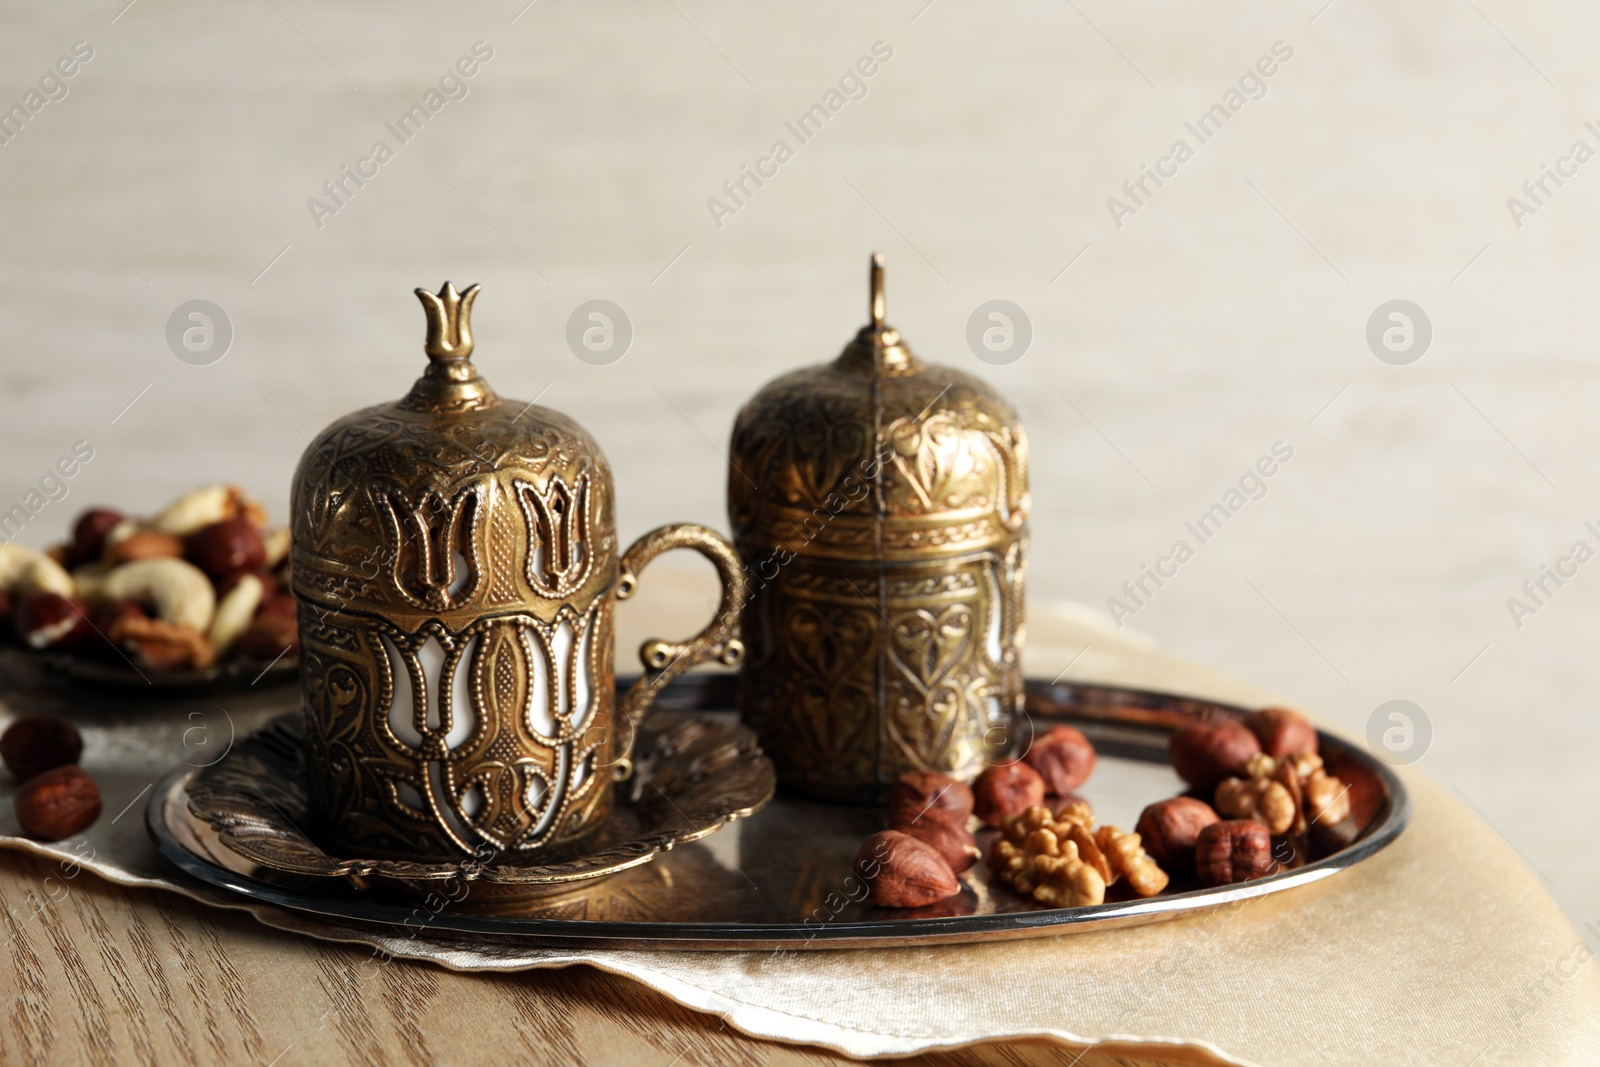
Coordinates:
(1227, 314)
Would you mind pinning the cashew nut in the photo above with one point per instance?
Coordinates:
(277, 544)
(27, 571)
(88, 578)
(178, 592)
(204, 506)
(235, 611)
(121, 532)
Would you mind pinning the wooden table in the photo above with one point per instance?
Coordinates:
(106, 975)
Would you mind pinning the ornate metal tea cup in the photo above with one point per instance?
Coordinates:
(455, 567)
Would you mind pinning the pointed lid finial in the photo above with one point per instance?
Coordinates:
(877, 346)
(875, 282)
(451, 382)
(449, 321)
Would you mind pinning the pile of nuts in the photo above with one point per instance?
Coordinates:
(930, 841)
(1264, 777)
(202, 579)
(915, 862)
(57, 798)
(1057, 762)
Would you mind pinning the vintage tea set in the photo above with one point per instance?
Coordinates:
(456, 571)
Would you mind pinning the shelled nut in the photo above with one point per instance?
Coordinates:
(903, 872)
(37, 743)
(1063, 757)
(1234, 850)
(1169, 829)
(58, 803)
(1005, 790)
(1282, 732)
(1205, 752)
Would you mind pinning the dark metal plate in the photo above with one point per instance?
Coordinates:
(231, 674)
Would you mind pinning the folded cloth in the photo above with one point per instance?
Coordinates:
(1442, 949)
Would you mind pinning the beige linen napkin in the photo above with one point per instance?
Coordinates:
(1442, 949)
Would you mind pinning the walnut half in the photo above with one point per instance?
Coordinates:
(1129, 860)
(1038, 857)
(1262, 799)
(1282, 794)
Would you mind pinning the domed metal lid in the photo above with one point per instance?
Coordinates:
(451, 501)
(877, 455)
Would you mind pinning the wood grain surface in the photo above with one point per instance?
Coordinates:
(103, 975)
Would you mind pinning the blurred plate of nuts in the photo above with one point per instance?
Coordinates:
(1093, 828)
(193, 597)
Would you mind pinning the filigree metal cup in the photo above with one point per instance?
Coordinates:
(455, 566)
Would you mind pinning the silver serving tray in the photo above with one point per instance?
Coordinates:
(782, 877)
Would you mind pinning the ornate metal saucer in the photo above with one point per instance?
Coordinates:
(693, 776)
(779, 879)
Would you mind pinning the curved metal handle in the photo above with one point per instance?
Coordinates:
(665, 660)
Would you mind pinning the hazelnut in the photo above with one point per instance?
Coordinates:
(89, 535)
(57, 803)
(105, 617)
(925, 796)
(1282, 732)
(903, 872)
(1234, 850)
(48, 620)
(1005, 790)
(1169, 829)
(38, 743)
(143, 544)
(270, 636)
(953, 842)
(226, 548)
(279, 605)
(1205, 752)
(1063, 757)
